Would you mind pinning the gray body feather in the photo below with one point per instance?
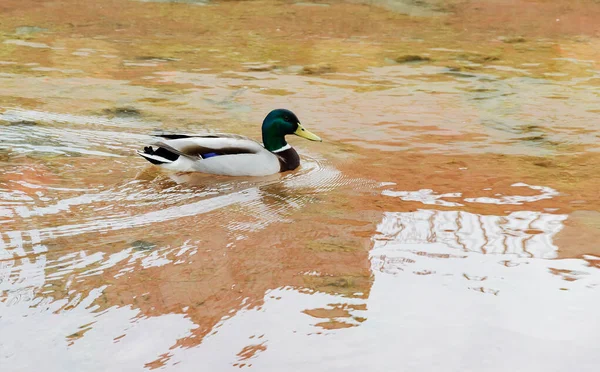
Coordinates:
(236, 155)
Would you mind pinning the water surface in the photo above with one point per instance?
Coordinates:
(449, 220)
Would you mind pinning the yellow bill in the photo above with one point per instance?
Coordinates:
(302, 132)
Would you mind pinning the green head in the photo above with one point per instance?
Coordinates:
(280, 123)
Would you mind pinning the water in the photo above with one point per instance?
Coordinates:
(449, 220)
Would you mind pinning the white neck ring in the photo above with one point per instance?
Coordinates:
(286, 147)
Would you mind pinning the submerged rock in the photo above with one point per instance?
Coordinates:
(458, 72)
(411, 58)
(513, 40)
(317, 69)
(142, 245)
(477, 58)
(260, 67)
(122, 112)
(23, 122)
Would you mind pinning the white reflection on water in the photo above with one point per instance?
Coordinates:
(545, 193)
(82, 339)
(524, 233)
(434, 306)
(426, 196)
(452, 291)
(429, 197)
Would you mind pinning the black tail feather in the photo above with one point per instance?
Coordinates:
(163, 153)
(159, 152)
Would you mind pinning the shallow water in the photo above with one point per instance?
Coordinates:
(449, 221)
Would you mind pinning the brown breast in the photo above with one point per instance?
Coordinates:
(288, 160)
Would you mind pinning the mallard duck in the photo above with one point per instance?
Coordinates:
(232, 154)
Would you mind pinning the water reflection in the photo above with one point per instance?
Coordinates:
(427, 196)
(75, 333)
(430, 295)
(523, 234)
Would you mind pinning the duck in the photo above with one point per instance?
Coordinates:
(232, 154)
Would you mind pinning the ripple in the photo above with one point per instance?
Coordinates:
(21, 139)
(21, 115)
